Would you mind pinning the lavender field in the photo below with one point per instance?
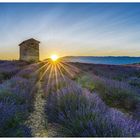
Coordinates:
(49, 99)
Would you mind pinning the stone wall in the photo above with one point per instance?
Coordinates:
(29, 51)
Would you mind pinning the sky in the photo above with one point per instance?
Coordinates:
(71, 29)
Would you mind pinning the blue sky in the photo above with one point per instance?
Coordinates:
(95, 29)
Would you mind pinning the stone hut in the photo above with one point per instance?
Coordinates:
(29, 50)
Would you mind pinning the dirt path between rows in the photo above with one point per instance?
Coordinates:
(37, 120)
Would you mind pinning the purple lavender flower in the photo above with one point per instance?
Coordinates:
(85, 114)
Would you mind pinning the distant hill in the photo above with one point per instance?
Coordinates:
(114, 60)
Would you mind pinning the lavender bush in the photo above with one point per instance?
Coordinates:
(115, 93)
(11, 118)
(84, 114)
(16, 100)
(9, 69)
(16, 89)
(116, 72)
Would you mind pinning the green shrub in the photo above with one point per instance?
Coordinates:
(86, 82)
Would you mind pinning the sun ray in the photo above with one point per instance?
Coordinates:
(54, 72)
(76, 69)
(56, 77)
(66, 69)
(58, 65)
(42, 67)
(42, 76)
(49, 77)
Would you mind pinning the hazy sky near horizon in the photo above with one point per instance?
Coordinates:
(95, 29)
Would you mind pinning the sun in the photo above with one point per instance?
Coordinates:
(54, 57)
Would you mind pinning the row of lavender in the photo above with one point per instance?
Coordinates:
(127, 74)
(16, 100)
(10, 68)
(82, 113)
(118, 86)
(114, 93)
